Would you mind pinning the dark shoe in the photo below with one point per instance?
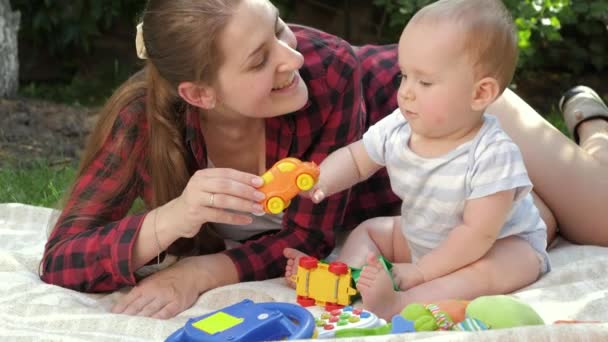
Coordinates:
(580, 104)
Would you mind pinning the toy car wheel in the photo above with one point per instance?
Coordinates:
(308, 262)
(338, 268)
(305, 182)
(275, 205)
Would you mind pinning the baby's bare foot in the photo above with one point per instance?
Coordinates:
(376, 288)
(293, 256)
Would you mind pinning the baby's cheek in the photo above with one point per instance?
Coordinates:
(440, 120)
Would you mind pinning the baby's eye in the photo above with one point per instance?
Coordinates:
(426, 84)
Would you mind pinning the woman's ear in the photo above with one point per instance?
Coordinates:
(197, 95)
(484, 93)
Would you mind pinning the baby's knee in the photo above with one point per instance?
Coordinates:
(377, 225)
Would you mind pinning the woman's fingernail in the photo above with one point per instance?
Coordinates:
(257, 208)
(257, 181)
(259, 195)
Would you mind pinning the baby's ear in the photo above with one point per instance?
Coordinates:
(485, 92)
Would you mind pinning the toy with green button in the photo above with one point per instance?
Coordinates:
(483, 313)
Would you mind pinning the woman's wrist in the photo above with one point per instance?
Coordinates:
(165, 228)
(211, 271)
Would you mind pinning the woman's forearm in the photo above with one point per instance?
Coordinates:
(156, 234)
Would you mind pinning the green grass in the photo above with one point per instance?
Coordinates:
(36, 183)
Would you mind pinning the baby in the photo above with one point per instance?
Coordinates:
(468, 225)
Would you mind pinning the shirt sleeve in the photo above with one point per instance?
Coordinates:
(377, 135)
(308, 227)
(499, 167)
(90, 246)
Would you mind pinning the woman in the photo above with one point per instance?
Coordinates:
(228, 89)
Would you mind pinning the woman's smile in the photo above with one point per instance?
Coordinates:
(289, 84)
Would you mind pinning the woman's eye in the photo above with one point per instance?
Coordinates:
(261, 64)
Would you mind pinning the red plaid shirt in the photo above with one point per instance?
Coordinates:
(95, 254)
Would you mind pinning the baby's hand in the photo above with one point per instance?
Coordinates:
(407, 275)
(315, 194)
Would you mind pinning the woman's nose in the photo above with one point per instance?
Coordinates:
(291, 59)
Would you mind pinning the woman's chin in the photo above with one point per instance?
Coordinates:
(293, 103)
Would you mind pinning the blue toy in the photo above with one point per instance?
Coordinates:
(249, 321)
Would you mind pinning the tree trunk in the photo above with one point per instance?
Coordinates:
(9, 63)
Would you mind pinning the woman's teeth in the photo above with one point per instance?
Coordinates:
(283, 85)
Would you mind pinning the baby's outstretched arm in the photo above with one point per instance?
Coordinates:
(483, 219)
(342, 169)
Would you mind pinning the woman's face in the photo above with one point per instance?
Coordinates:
(259, 77)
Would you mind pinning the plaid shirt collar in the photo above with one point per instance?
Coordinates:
(278, 129)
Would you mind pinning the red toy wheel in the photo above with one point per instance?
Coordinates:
(305, 301)
(338, 268)
(308, 262)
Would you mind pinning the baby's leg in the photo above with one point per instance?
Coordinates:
(509, 265)
(380, 235)
(376, 288)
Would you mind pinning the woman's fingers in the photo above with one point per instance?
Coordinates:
(168, 311)
(224, 216)
(136, 305)
(152, 308)
(125, 301)
(235, 175)
(224, 201)
(230, 187)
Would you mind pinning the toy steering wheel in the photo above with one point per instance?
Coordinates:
(249, 321)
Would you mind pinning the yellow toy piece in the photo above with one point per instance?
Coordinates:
(319, 283)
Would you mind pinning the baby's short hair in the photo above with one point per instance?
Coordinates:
(490, 36)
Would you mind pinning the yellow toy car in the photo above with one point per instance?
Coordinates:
(284, 180)
(323, 284)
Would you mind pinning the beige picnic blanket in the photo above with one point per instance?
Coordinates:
(577, 288)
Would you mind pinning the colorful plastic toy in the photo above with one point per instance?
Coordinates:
(284, 180)
(323, 284)
(398, 325)
(483, 313)
(248, 321)
(330, 323)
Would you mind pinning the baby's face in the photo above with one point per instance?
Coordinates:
(438, 82)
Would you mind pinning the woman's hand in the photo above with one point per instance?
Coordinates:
(212, 190)
(167, 293)
(407, 275)
(163, 294)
